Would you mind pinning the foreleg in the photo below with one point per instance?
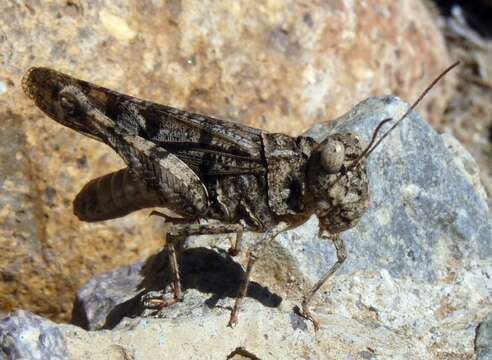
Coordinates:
(341, 256)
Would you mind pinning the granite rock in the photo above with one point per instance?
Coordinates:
(24, 335)
(483, 340)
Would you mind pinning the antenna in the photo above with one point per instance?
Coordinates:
(370, 148)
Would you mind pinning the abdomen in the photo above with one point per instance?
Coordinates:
(113, 195)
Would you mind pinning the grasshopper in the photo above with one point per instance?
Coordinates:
(205, 168)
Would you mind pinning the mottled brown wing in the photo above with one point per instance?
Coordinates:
(207, 145)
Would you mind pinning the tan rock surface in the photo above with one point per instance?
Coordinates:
(278, 65)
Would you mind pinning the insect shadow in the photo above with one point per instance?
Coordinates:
(209, 271)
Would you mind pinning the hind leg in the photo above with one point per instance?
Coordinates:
(178, 233)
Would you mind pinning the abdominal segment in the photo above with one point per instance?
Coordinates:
(113, 195)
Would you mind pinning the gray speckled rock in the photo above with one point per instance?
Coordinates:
(483, 341)
(102, 294)
(429, 215)
(416, 283)
(24, 335)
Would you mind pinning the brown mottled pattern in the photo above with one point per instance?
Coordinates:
(201, 167)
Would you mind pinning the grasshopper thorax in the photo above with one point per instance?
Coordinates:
(338, 191)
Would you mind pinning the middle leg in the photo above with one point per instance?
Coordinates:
(253, 255)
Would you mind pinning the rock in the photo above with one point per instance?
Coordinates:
(101, 295)
(466, 116)
(483, 341)
(415, 285)
(278, 66)
(426, 199)
(263, 334)
(24, 335)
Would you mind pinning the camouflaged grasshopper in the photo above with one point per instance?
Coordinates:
(204, 168)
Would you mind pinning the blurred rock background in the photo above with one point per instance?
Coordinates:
(467, 29)
(277, 65)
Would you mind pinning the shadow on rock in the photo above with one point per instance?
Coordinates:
(203, 269)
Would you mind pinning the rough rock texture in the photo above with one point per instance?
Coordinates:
(191, 335)
(483, 341)
(277, 65)
(416, 283)
(468, 34)
(27, 336)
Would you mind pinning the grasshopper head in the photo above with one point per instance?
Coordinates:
(337, 178)
(339, 191)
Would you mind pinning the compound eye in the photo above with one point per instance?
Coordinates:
(332, 156)
(68, 103)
